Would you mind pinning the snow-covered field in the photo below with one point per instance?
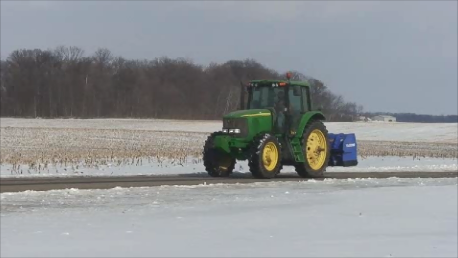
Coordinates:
(339, 218)
(410, 132)
(352, 218)
(369, 164)
(33, 147)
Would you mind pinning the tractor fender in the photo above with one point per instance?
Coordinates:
(313, 115)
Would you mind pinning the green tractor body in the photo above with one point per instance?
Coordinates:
(277, 127)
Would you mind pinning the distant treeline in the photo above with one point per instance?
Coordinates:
(63, 83)
(417, 118)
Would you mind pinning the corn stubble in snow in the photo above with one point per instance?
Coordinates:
(42, 148)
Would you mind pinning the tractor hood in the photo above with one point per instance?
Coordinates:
(250, 122)
(248, 113)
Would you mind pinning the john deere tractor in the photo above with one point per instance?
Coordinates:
(278, 127)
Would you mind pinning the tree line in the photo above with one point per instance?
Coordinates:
(64, 83)
(416, 118)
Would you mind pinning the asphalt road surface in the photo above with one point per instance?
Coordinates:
(55, 183)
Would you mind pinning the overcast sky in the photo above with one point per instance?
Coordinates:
(395, 56)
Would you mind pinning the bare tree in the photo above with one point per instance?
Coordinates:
(65, 83)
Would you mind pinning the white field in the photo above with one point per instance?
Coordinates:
(405, 132)
(340, 218)
(168, 167)
(331, 218)
(89, 147)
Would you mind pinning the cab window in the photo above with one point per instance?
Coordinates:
(305, 100)
(295, 99)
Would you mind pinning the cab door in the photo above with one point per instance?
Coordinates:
(296, 103)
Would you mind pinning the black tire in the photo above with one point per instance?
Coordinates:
(304, 169)
(216, 162)
(255, 162)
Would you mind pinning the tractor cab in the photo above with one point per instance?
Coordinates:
(286, 100)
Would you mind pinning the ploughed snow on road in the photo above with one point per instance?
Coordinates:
(390, 217)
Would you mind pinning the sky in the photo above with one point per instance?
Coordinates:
(391, 56)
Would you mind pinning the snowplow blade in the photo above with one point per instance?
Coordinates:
(343, 150)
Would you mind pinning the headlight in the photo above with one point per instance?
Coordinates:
(237, 126)
(234, 130)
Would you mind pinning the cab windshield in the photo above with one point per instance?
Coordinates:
(265, 97)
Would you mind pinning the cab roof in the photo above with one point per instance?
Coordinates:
(269, 82)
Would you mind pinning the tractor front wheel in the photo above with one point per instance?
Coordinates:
(217, 163)
(316, 149)
(265, 156)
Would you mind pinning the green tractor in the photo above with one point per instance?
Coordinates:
(278, 127)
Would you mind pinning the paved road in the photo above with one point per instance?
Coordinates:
(54, 183)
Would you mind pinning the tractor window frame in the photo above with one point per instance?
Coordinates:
(299, 107)
(306, 104)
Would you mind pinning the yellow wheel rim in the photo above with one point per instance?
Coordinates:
(270, 156)
(316, 149)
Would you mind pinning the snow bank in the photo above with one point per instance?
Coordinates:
(352, 218)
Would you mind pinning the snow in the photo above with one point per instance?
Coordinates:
(59, 141)
(403, 132)
(118, 124)
(369, 164)
(355, 218)
(383, 131)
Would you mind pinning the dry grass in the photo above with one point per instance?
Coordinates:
(40, 148)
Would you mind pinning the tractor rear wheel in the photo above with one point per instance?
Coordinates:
(217, 163)
(316, 149)
(265, 156)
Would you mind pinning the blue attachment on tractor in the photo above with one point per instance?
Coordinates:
(343, 150)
